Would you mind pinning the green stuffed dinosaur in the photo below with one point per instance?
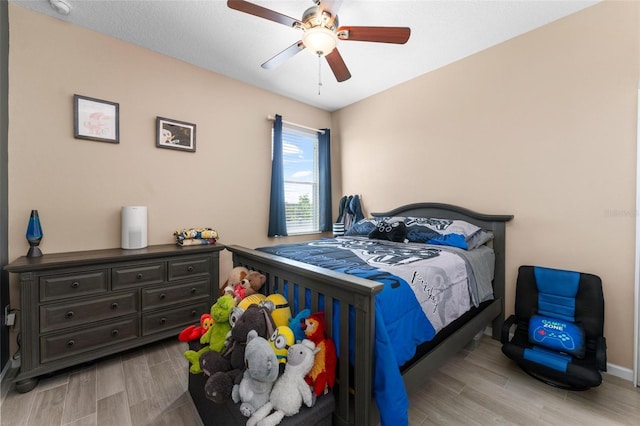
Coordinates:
(214, 339)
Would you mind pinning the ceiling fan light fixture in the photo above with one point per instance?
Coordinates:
(320, 40)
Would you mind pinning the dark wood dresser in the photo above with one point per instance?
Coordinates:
(80, 306)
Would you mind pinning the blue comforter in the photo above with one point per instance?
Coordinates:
(400, 320)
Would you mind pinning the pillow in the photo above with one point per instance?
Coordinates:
(363, 227)
(390, 231)
(479, 239)
(417, 233)
(448, 232)
(557, 334)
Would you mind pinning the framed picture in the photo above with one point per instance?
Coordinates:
(95, 119)
(174, 134)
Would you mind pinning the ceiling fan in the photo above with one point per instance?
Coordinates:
(321, 33)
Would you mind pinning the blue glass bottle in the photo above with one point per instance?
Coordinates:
(34, 234)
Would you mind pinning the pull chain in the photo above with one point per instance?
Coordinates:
(319, 73)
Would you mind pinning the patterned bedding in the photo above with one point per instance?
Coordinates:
(426, 288)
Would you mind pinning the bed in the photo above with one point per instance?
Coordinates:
(350, 303)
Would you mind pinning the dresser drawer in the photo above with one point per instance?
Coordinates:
(60, 315)
(188, 267)
(173, 319)
(60, 286)
(168, 295)
(137, 275)
(72, 343)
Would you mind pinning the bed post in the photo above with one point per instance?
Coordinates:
(364, 355)
(499, 276)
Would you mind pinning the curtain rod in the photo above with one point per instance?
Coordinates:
(271, 118)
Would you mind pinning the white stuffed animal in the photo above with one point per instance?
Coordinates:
(290, 390)
(261, 371)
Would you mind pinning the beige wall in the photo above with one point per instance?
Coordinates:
(542, 127)
(79, 186)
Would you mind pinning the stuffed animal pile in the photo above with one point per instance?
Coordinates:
(259, 356)
(225, 369)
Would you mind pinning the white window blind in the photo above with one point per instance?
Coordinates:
(300, 162)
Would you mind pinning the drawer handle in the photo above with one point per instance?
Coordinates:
(70, 315)
(114, 305)
(194, 313)
(162, 296)
(114, 332)
(75, 284)
(190, 269)
(163, 321)
(70, 343)
(193, 290)
(139, 276)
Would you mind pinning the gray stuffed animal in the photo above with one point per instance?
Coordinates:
(260, 373)
(290, 390)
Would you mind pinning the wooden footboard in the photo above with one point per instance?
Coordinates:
(352, 292)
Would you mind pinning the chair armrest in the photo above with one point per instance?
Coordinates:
(601, 353)
(506, 327)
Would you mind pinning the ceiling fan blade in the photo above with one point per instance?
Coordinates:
(397, 35)
(262, 12)
(337, 65)
(281, 57)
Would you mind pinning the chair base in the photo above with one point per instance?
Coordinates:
(553, 383)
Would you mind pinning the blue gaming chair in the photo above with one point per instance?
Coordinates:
(559, 320)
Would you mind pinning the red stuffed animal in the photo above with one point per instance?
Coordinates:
(323, 374)
(194, 332)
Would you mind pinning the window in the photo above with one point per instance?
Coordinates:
(300, 200)
(301, 180)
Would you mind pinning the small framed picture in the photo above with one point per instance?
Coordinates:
(95, 119)
(174, 134)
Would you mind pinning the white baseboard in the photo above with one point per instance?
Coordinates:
(621, 372)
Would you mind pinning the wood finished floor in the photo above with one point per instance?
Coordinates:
(479, 387)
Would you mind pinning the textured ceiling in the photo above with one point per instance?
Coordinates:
(208, 34)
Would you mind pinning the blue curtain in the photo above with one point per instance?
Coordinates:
(277, 216)
(324, 164)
